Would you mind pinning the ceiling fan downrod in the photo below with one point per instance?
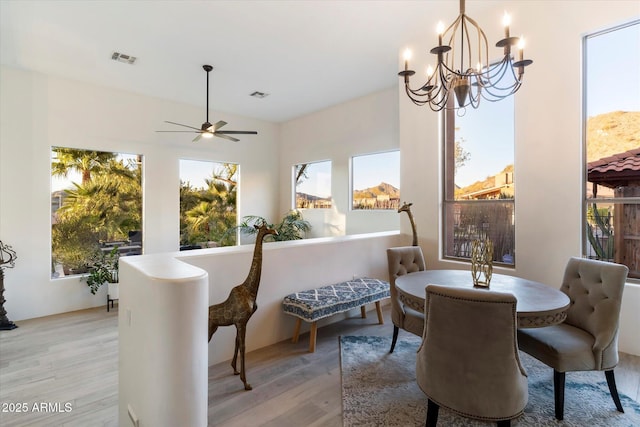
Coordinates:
(207, 125)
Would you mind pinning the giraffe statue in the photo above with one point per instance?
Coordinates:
(241, 304)
(406, 207)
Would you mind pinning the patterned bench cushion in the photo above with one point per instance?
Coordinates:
(319, 303)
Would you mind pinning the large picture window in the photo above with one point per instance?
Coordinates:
(208, 204)
(479, 184)
(96, 208)
(312, 183)
(612, 146)
(375, 181)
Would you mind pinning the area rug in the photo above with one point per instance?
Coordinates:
(380, 389)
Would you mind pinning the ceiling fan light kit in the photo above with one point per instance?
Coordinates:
(208, 130)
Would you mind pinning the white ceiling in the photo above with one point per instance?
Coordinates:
(307, 55)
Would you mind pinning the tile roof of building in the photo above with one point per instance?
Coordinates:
(616, 170)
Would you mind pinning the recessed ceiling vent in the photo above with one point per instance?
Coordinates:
(260, 95)
(122, 57)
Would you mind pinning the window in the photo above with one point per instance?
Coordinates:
(611, 118)
(479, 185)
(96, 206)
(208, 204)
(312, 182)
(375, 181)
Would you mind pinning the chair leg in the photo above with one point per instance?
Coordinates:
(611, 382)
(432, 414)
(395, 338)
(558, 392)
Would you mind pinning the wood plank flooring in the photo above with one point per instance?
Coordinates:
(73, 358)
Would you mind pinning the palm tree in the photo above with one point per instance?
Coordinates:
(210, 212)
(104, 207)
(81, 161)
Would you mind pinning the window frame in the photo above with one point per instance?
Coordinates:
(132, 244)
(448, 138)
(352, 180)
(586, 201)
(294, 185)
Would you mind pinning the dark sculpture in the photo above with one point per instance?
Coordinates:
(406, 207)
(241, 304)
(7, 260)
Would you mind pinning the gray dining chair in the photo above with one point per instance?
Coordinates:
(468, 361)
(588, 339)
(403, 260)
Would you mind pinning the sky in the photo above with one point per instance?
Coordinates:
(608, 64)
(195, 171)
(487, 134)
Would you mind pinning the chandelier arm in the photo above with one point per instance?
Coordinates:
(482, 37)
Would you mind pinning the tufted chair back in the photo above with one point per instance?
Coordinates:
(401, 261)
(588, 339)
(595, 290)
(468, 361)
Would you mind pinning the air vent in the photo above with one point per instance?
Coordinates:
(261, 95)
(121, 57)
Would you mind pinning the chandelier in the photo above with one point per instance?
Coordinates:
(454, 70)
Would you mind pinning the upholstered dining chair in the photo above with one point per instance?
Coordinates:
(588, 339)
(403, 260)
(468, 361)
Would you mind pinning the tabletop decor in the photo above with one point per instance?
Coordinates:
(7, 260)
(481, 262)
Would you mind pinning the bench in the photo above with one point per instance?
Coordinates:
(315, 304)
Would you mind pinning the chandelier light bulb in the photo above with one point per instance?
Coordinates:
(429, 71)
(521, 43)
(407, 57)
(506, 21)
(440, 31)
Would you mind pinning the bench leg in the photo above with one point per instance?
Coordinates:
(312, 337)
(379, 311)
(363, 312)
(296, 330)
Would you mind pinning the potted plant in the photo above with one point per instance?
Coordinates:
(292, 226)
(104, 269)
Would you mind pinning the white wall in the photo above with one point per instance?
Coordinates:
(39, 111)
(362, 126)
(548, 152)
(287, 267)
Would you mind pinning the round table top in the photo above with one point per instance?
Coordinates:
(538, 304)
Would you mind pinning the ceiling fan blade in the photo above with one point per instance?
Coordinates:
(180, 124)
(197, 138)
(238, 132)
(230, 138)
(217, 125)
(180, 131)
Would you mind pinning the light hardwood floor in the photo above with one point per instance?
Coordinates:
(73, 358)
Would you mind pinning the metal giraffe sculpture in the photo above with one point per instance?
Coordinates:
(241, 304)
(406, 207)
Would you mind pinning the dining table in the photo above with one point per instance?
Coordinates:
(538, 305)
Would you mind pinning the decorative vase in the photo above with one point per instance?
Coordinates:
(481, 262)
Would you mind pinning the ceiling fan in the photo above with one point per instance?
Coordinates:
(208, 130)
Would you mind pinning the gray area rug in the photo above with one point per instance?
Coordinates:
(380, 389)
